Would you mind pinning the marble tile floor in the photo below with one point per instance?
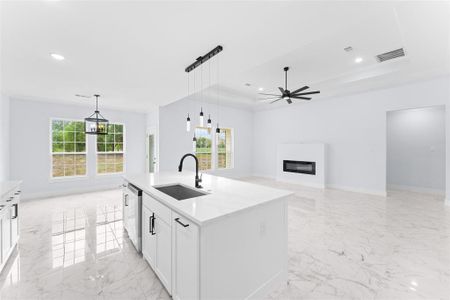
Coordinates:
(342, 245)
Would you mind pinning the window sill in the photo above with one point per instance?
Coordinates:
(109, 174)
(67, 179)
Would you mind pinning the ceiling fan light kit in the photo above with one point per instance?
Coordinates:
(286, 94)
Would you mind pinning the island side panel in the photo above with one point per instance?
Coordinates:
(245, 255)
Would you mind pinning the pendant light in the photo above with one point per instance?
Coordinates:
(188, 123)
(194, 144)
(188, 120)
(201, 120)
(218, 94)
(96, 123)
(209, 124)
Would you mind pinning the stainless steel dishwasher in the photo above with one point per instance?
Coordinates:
(132, 209)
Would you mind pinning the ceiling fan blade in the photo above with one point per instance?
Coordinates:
(276, 100)
(298, 97)
(307, 93)
(281, 90)
(289, 101)
(269, 94)
(300, 89)
(268, 99)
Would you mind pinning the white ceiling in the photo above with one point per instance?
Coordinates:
(134, 53)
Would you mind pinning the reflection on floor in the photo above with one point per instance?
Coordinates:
(74, 247)
(345, 245)
(342, 245)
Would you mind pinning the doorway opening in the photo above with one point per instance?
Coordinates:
(415, 152)
(151, 153)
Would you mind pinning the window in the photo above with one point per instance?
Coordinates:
(110, 150)
(68, 148)
(203, 149)
(221, 152)
(224, 149)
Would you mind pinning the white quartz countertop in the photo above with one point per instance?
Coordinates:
(225, 196)
(8, 186)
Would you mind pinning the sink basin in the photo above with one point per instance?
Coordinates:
(180, 192)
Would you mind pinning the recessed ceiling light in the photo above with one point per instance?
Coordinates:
(358, 60)
(57, 56)
(261, 89)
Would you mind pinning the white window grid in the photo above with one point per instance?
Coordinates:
(123, 152)
(84, 153)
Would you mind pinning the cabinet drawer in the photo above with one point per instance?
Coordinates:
(162, 211)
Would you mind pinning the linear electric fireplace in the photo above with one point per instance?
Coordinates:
(294, 166)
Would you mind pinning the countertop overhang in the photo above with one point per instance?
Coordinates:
(8, 186)
(225, 196)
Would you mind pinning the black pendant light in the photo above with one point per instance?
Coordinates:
(194, 144)
(188, 123)
(201, 122)
(96, 123)
(209, 123)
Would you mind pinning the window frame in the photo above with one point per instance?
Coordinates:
(212, 147)
(50, 138)
(215, 150)
(124, 148)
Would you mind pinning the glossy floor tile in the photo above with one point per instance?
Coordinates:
(345, 245)
(74, 247)
(342, 245)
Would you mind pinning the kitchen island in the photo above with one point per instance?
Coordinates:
(230, 242)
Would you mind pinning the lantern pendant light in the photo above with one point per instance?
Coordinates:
(96, 123)
(188, 123)
(202, 123)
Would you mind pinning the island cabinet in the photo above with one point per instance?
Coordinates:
(9, 219)
(237, 256)
(185, 245)
(157, 238)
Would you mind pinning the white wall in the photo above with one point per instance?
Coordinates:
(353, 127)
(416, 149)
(30, 157)
(4, 137)
(174, 141)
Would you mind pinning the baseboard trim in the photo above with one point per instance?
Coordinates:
(416, 189)
(269, 286)
(357, 190)
(303, 183)
(40, 195)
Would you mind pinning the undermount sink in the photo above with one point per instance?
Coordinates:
(179, 192)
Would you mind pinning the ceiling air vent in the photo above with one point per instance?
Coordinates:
(390, 55)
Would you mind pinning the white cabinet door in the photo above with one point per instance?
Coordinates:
(185, 259)
(163, 236)
(126, 210)
(6, 233)
(148, 239)
(14, 223)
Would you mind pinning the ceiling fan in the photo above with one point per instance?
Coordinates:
(288, 95)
